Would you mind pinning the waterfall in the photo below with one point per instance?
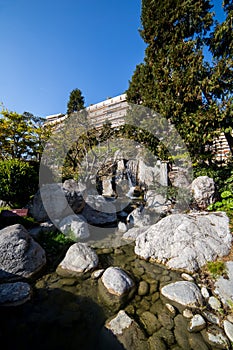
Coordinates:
(130, 193)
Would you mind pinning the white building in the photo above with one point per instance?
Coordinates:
(112, 109)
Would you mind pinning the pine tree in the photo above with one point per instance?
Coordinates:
(76, 101)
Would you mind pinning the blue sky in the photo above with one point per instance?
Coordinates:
(50, 47)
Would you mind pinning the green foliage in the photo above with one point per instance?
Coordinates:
(18, 181)
(22, 136)
(216, 268)
(55, 245)
(175, 80)
(76, 102)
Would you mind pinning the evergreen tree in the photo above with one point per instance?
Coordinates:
(76, 102)
(172, 78)
(221, 82)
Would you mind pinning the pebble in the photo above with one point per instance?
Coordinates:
(214, 303)
(143, 288)
(187, 277)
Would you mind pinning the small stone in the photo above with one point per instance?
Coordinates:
(16, 293)
(97, 274)
(214, 303)
(196, 324)
(204, 292)
(228, 328)
(122, 227)
(212, 318)
(143, 288)
(216, 338)
(187, 313)
(230, 318)
(187, 277)
(171, 309)
(150, 322)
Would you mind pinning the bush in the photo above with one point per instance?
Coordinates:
(18, 181)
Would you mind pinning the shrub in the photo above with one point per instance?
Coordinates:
(18, 181)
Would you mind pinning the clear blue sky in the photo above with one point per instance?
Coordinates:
(50, 47)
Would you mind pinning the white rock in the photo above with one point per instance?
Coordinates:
(116, 281)
(216, 338)
(197, 323)
(224, 286)
(187, 313)
(204, 292)
(186, 241)
(75, 227)
(119, 323)
(79, 258)
(187, 277)
(122, 227)
(214, 303)
(97, 274)
(184, 293)
(171, 309)
(203, 190)
(228, 328)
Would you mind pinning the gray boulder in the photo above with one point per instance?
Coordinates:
(20, 255)
(55, 201)
(13, 294)
(79, 260)
(203, 191)
(186, 241)
(75, 227)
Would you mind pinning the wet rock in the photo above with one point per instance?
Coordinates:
(186, 241)
(150, 322)
(181, 333)
(78, 260)
(74, 227)
(123, 330)
(166, 335)
(215, 337)
(196, 342)
(228, 328)
(116, 287)
(196, 324)
(212, 318)
(143, 288)
(155, 343)
(184, 293)
(20, 255)
(13, 294)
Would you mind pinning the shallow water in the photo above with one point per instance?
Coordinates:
(67, 313)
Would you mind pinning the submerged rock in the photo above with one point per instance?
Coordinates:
(122, 332)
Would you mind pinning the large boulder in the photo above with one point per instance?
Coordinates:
(20, 255)
(186, 241)
(56, 201)
(203, 191)
(79, 259)
(224, 285)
